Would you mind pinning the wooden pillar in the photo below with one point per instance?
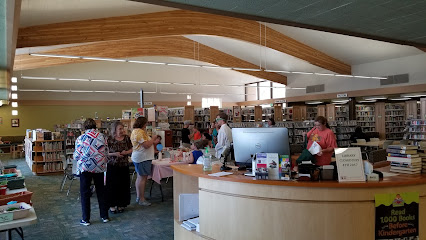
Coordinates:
(411, 109)
(189, 113)
(214, 111)
(258, 113)
(331, 112)
(278, 113)
(379, 115)
(423, 108)
(352, 109)
(321, 110)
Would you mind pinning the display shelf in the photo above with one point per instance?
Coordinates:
(365, 117)
(311, 113)
(342, 113)
(415, 131)
(394, 120)
(46, 156)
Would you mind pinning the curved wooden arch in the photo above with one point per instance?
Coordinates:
(180, 22)
(167, 46)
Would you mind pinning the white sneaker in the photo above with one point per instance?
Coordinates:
(144, 203)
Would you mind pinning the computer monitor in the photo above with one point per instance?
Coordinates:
(249, 141)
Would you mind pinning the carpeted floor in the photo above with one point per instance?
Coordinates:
(59, 215)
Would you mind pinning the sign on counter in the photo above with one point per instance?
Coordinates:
(397, 216)
(350, 167)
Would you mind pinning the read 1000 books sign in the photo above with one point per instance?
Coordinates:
(397, 216)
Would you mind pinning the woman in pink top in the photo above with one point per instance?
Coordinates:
(325, 138)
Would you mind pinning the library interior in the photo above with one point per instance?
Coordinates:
(212, 120)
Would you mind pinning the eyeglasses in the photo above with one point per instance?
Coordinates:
(218, 119)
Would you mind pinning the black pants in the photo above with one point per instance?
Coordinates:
(118, 186)
(85, 182)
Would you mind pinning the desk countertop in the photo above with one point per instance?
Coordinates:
(398, 180)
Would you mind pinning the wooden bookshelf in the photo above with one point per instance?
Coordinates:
(415, 131)
(45, 156)
(394, 120)
(365, 117)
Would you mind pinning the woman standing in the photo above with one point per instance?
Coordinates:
(142, 156)
(325, 138)
(117, 177)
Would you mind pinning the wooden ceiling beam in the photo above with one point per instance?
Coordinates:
(166, 46)
(174, 23)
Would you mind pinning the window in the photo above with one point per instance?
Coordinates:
(207, 102)
(278, 90)
(264, 90)
(251, 91)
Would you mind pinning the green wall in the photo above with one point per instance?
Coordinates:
(32, 117)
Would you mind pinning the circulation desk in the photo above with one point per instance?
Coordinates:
(240, 207)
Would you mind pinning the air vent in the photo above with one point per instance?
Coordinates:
(315, 88)
(395, 79)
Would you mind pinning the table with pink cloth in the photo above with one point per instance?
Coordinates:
(161, 169)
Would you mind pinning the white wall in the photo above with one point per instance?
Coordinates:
(415, 66)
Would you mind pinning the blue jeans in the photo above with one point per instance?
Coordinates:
(86, 192)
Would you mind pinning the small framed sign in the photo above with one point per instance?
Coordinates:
(15, 122)
(350, 167)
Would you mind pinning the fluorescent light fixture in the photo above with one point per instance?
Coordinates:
(367, 101)
(325, 74)
(48, 90)
(81, 91)
(15, 112)
(14, 79)
(315, 102)
(14, 96)
(307, 73)
(73, 79)
(214, 94)
(219, 67)
(100, 80)
(340, 100)
(182, 65)
(188, 96)
(146, 62)
(104, 91)
(296, 88)
(399, 99)
(14, 88)
(379, 77)
(343, 75)
(14, 104)
(234, 85)
(276, 71)
(247, 69)
(168, 93)
(184, 84)
(361, 77)
(414, 95)
(42, 78)
(149, 92)
(125, 92)
(210, 85)
(160, 83)
(30, 90)
(188, 103)
(104, 59)
(55, 55)
(132, 82)
(375, 98)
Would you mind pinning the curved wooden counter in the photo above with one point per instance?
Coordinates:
(240, 207)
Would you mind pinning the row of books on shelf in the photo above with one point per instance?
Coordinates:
(51, 156)
(53, 166)
(406, 159)
(394, 118)
(51, 146)
(417, 122)
(394, 106)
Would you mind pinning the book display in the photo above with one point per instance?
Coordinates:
(44, 156)
(365, 117)
(343, 132)
(176, 124)
(342, 113)
(415, 131)
(404, 159)
(311, 113)
(288, 113)
(394, 121)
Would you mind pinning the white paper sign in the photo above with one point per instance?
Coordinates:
(342, 95)
(350, 167)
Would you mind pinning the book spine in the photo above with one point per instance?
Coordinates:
(400, 155)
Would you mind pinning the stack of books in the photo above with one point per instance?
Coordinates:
(423, 156)
(404, 159)
(192, 224)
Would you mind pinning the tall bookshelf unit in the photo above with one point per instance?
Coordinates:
(394, 119)
(311, 113)
(416, 131)
(365, 117)
(176, 124)
(342, 113)
(44, 156)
